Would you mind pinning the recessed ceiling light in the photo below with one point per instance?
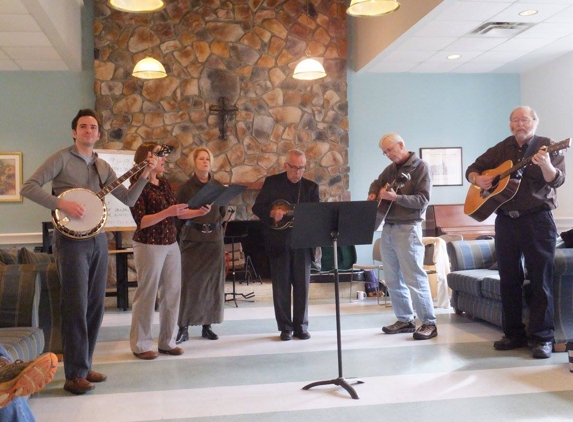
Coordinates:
(454, 56)
(530, 12)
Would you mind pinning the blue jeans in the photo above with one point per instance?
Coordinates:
(17, 410)
(403, 259)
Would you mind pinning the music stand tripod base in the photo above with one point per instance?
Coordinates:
(341, 382)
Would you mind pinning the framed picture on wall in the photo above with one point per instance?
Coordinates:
(10, 176)
(445, 165)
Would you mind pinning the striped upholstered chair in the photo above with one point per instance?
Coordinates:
(19, 302)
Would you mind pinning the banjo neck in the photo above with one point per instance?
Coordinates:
(113, 185)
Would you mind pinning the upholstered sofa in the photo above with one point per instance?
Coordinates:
(475, 285)
(29, 304)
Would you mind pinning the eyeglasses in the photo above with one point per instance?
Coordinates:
(388, 150)
(296, 168)
(524, 120)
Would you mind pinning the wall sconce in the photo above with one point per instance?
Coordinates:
(371, 8)
(137, 6)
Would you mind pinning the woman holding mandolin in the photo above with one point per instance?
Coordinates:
(157, 260)
(202, 256)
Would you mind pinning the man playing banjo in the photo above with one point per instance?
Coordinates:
(81, 262)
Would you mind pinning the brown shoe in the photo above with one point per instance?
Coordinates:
(78, 386)
(94, 376)
(149, 355)
(426, 332)
(176, 351)
(24, 378)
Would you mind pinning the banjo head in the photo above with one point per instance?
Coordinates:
(93, 220)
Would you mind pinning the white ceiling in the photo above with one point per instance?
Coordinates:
(446, 30)
(40, 35)
(46, 35)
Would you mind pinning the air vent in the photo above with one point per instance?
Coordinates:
(500, 29)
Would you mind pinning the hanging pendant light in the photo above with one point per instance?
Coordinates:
(371, 8)
(309, 70)
(149, 68)
(137, 6)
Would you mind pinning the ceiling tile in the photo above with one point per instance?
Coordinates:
(408, 56)
(522, 44)
(447, 28)
(544, 11)
(472, 11)
(15, 22)
(12, 6)
(393, 67)
(547, 30)
(442, 56)
(435, 67)
(564, 16)
(38, 53)
(43, 65)
(425, 43)
(472, 67)
(498, 56)
(8, 65)
(475, 44)
(19, 39)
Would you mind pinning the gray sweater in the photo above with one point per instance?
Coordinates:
(66, 169)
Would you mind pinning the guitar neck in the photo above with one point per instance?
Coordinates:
(113, 185)
(550, 148)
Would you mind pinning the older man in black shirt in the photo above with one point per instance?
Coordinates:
(525, 231)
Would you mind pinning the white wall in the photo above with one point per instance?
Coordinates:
(548, 90)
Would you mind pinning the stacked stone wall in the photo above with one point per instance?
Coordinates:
(246, 51)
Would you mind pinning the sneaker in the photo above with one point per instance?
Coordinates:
(426, 332)
(24, 378)
(400, 327)
(510, 343)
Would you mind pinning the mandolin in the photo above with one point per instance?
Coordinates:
(481, 203)
(288, 219)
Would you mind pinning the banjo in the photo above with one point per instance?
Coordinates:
(96, 211)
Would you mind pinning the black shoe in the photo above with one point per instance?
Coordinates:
(302, 335)
(510, 343)
(542, 349)
(286, 335)
(182, 335)
(208, 333)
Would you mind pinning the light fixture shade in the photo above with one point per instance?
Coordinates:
(137, 6)
(369, 8)
(308, 70)
(149, 68)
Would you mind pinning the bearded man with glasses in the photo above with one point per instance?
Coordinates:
(525, 232)
(290, 268)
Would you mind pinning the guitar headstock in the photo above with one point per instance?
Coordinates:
(164, 151)
(566, 143)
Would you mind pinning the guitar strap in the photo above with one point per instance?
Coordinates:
(96, 161)
(531, 150)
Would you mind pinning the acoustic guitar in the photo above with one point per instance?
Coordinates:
(288, 219)
(481, 203)
(385, 205)
(96, 212)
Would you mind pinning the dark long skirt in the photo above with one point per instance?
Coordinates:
(202, 283)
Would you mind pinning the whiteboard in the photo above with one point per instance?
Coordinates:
(119, 216)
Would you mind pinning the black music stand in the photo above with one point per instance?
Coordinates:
(330, 224)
